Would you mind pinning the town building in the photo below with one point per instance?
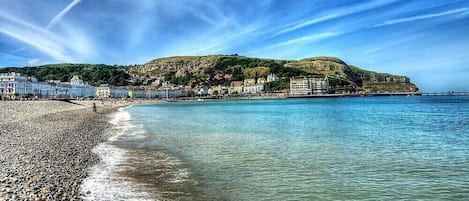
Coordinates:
(308, 85)
(236, 87)
(202, 92)
(76, 81)
(14, 84)
(11, 84)
(261, 80)
(79, 89)
(43, 89)
(103, 91)
(82, 91)
(135, 93)
(118, 92)
(250, 81)
(253, 89)
(272, 77)
(215, 90)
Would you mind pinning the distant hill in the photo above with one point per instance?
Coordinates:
(212, 70)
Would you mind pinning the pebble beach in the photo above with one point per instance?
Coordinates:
(46, 147)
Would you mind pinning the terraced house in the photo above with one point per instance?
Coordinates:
(14, 85)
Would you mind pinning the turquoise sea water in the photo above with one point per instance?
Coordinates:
(380, 148)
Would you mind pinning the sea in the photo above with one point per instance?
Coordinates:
(364, 148)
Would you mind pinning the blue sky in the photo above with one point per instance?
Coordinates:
(425, 40)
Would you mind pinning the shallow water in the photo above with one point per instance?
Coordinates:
(380, 148)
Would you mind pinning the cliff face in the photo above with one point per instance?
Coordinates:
(222, 69)
(329, 66)
(368, 80)
(181, 65)
(381, 82)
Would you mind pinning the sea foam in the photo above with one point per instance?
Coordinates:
(104, 181)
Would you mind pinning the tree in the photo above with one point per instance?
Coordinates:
(278, 85)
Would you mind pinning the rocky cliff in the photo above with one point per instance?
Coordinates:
(222, 69)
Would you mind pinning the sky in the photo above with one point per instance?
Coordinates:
(427, 41)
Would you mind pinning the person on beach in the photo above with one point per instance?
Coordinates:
(94, 107)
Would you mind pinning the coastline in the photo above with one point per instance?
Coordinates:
(46, 147)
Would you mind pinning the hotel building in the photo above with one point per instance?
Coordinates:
(303, 86)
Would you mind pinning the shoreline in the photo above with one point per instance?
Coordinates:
(46, 150)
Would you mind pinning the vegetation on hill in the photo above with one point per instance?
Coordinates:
(213, 70)
(94, 74)
(256, 72)
(210, 70)
(277, 86)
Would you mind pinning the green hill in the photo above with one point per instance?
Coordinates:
(94, 74)
(212, 70)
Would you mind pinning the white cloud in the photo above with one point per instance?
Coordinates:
(220, 42)
(62, 13)
(422, 17)
(34, 36)
(65, 45)
(33, 62)
(335, 14)
(304, 40)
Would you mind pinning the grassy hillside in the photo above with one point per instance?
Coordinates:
(94, 74)
(222, 69)
(212, 70)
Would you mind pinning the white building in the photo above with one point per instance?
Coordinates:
(203, 92)
(253, 89)
(43, 90)
(82, 91)
(12, 84)
(308, 85)
(119, 92)
(79, 89)
(76, 81)
(103, 91)
(272, 77)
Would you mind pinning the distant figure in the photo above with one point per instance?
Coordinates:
(94, 107)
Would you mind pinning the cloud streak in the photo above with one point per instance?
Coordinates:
(28, 33)
(336, 14)
(62, 13)
(422, 17)
(304, 40)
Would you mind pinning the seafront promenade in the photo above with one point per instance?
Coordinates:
(45, 150)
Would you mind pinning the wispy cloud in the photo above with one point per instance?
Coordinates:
(62, 13)
(303, 40)
(306, 39)
(422, 17)
(28, 33)
(33, 61)
(343, 11)
(222, 42)
(56, 45)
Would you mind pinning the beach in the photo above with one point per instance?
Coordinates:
(46, 147)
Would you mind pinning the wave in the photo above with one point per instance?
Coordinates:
(105, 181)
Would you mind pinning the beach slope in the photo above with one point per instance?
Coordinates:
(46, 148)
